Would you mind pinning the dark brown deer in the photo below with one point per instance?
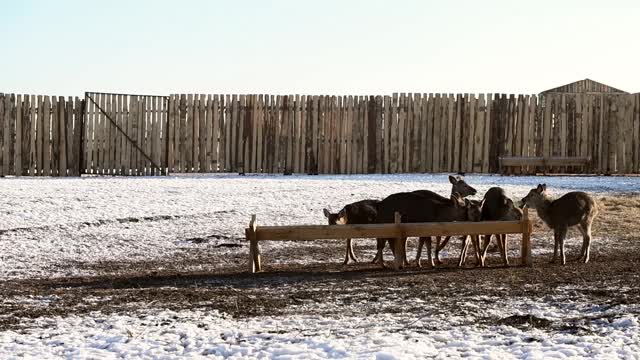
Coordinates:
(575, 208)
(498, 207)
(416, 207)
(359, 212)
(458, 185)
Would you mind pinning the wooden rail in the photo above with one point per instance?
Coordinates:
(254, 234)
(544, 162)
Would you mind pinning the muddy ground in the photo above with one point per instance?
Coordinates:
(610, 279)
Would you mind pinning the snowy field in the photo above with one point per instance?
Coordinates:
(61, 228)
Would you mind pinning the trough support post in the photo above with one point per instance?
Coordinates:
(254, 251)
(398, 246)
(526, 238)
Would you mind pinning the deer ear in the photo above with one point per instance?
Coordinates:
(452, 180)
(544, 187)
(326, 212)
(540, 188)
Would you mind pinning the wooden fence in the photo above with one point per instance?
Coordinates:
(125, 134)
(40, 135)
(403, 133)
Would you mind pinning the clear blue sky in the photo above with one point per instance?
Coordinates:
(316, 47)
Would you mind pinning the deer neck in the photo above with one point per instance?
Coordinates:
(543, 208)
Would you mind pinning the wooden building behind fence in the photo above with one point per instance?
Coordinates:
(123, 134)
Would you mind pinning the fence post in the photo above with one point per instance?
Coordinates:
(399, 248)
(254, 251)
(526, 238)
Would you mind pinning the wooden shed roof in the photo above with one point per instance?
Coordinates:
(586, 85)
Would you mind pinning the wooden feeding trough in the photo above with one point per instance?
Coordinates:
(255, 234)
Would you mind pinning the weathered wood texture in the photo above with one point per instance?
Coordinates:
(40, 135)
(53, 136)
(255, 233)
(411, 133)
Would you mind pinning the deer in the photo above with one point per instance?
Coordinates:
(498, 207)
(359, 212)
(458, 185)
(416, 207)
(575, 208)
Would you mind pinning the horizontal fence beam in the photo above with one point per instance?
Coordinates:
(317, 232)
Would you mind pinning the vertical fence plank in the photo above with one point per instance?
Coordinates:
(62, 138)
(225, 128)
(473, 103)
(636, 133)
(171, 125)
(478, 134)
(546, 140)
(194, 132)
(33, 119)
(241, 125)
(207, 134)
(628, 133)
(457, 134)
(17, 171)
(487, 135)
(70, 150)
(304, 123)
(4, 106)
(127, 147)
(26, 135)
(465, 132)
(408, 132)
(416, 109)
(531, 126)
(55, 125)
(216, 135)
(402, 118)
(46, 139)
(435, 124)
(134, 114)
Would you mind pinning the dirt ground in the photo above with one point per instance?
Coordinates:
(612, 277)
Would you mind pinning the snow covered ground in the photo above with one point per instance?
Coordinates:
(593, 332)
(60, 227)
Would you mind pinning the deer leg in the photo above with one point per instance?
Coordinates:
(463, 251)
(555, 246)
(504, 246)
(586, 242)
(485, 246)
(351, 254)
(347, 257)
(429, 257)
(440, 246)
(380, 244)
(562, 233)
(476, 247)
(419, 251)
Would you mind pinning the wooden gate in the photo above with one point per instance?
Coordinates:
(125, 134)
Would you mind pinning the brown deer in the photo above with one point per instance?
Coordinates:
(458, 185)
(498, 207)
(573, 208)
(415, 207)
(359, 212)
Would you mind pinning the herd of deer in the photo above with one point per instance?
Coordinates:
(574, 208)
